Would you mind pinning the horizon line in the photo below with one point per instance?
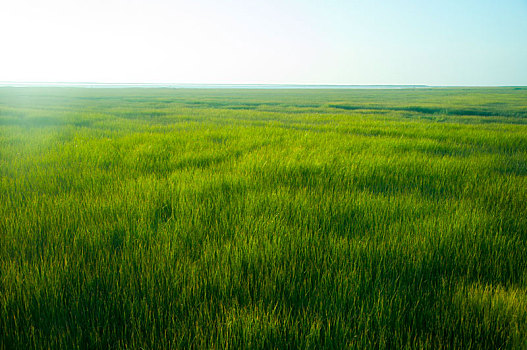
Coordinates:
(183, 85)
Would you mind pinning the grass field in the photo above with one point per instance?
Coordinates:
(168, 218)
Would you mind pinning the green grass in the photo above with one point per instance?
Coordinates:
(165, 218)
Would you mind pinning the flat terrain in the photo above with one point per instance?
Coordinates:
(167, 218)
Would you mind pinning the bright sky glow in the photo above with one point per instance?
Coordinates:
(448, 42)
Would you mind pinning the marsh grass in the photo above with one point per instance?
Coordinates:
(160, 218)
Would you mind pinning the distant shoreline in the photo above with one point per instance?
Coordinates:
(208, 86)
(4, 84)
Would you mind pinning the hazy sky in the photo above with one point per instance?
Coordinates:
(436, 42)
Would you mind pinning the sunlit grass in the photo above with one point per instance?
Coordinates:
(161, 218)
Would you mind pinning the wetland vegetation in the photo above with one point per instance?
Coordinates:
(225, 218)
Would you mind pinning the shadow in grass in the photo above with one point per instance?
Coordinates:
(206, 161)
(385, 180)
(432, 110)
(436, 150)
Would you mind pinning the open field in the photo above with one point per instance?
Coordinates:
(166, 218)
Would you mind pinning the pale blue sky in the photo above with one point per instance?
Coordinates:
(447, 42)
